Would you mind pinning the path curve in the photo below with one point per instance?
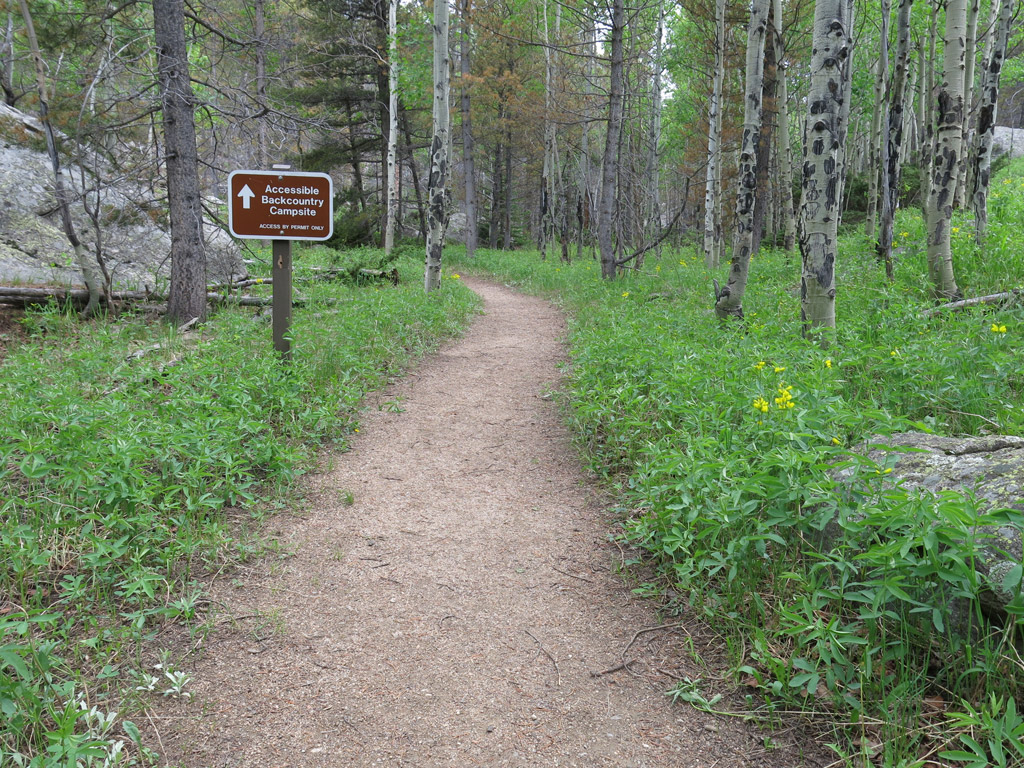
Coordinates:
(450, 594)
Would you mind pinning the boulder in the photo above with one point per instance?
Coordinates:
(990, 468)
(133, 233)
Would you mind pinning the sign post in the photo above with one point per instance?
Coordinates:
(282, 206)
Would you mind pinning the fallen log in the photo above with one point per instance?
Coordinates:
(992, 298)
(23, 297)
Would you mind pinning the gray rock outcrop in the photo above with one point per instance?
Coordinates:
(132, 236)
(989, 468)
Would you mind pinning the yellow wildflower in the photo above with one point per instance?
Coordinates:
(997, 328)
(835, 441)
(785, 398)
(455, 277)
(828, 363)
(760, 404)
(780, 369)
(955, 230)
(904, 234)
(894, 353)
(625, 294)
(759, 365)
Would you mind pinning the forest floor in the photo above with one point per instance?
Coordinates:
(446, 594)
(11, 331)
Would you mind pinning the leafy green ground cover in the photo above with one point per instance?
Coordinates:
(123, 481)
(719, 438)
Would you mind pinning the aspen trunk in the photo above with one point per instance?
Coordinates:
(971, 42)
(712, 199)
(822, 157)
(893, 147)
(784, 141)
(468, 166)
(652, 217)
(439, 144)
(875, 134)
(187, 298)
(991, 69)
(729, 301)
(393, 171)
(928, 108)
(547, 195)
(610, 164)
(948, 153)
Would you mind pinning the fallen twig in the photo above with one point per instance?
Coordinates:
(617, 668)
(644, 631)
(558, 674)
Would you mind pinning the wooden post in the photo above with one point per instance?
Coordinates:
(282, 304)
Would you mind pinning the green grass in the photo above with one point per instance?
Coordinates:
(719, 439)
(122, 482)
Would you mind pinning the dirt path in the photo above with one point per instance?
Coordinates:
(450, 593)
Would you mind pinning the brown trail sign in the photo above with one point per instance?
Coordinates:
(280, 205)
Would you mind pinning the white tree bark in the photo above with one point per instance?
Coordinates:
(729, 302)
(712, 201)
(439, 144)
(610, 163)
(468, 145)
(784, 140)
(393, 170)
(547, 200)
(830, 56)
(971, 42)
(991, 69)
(652, 215)
(893, 147)
(948, 153)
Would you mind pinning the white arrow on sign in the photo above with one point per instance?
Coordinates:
(247, 195)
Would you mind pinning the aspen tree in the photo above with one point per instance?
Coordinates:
(729, 301)
(784, 141)
(393, 169)
(712, 201)
(948, 153)
(610, 163)
(468, 145)
(991, 69)
(438, 179)
(819, 214)
(892, 150)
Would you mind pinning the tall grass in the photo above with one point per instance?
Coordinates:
(124, 479)
(721, 438)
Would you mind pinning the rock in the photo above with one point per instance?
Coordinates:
(1009, 141)
(133, 233)
(991, 468)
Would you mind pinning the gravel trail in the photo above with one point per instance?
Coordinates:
(445, 593)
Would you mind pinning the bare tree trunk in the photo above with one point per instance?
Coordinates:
(765, 135)
(436, 213)
(260, 42)
(507, 202)
(495, 224)
(928, 123)
(394, 170)
(712, 200)
(547, 183)
(652, 223)
(967, 134)
(610, 165)
(875, 134)
(413, 168)
(730, 299)
(948, 153)
(468, 166)
(991, 69)
(893, 147)
(785, 144)
(822, 158)
(90, 274)
(187, 297)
